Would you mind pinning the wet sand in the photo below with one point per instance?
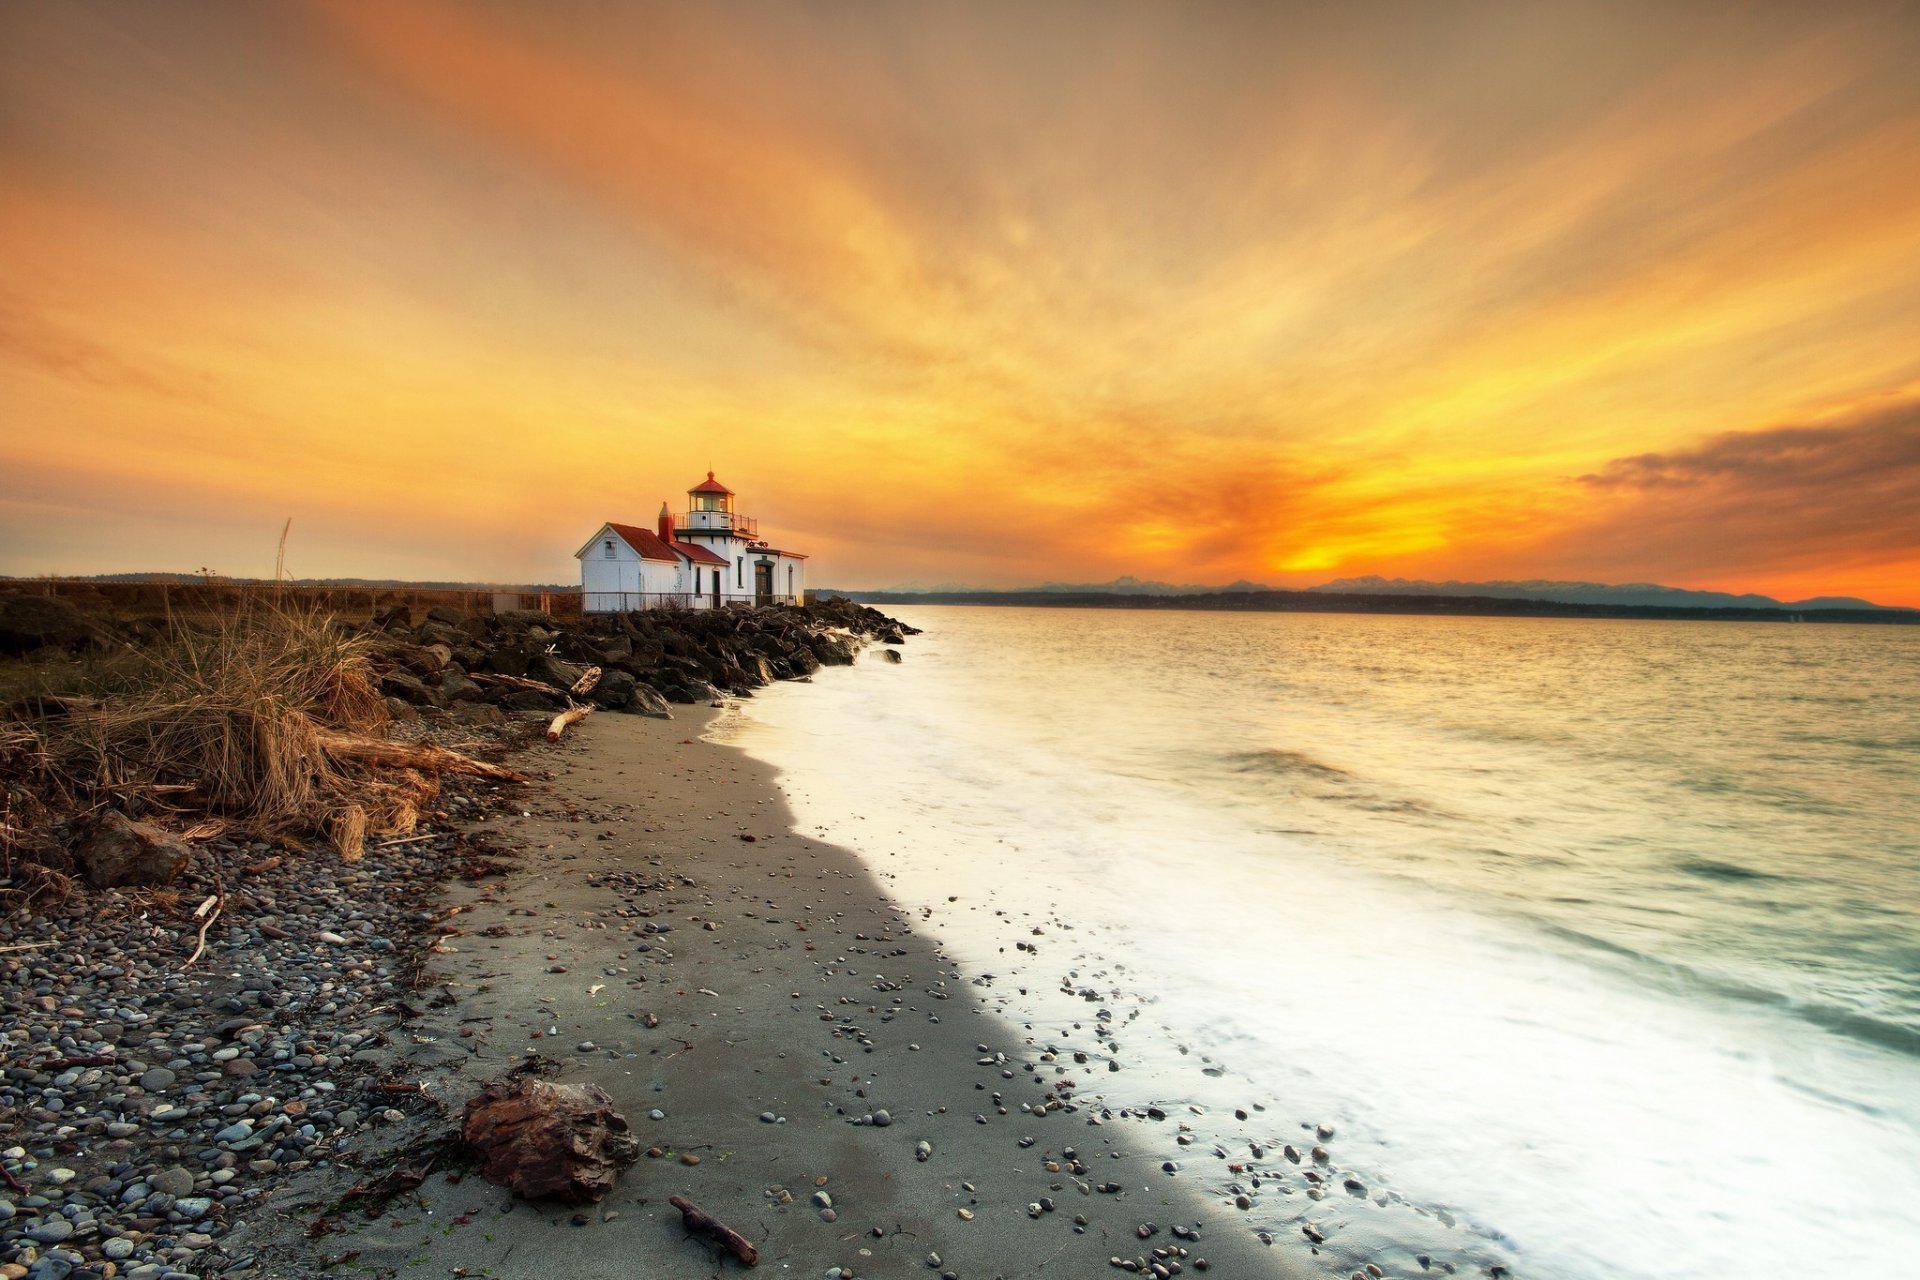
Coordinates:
(792, 1000)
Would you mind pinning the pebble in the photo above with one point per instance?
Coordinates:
(199, 1090)
(172, 1181)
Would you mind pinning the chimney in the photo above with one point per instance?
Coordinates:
(666, 525)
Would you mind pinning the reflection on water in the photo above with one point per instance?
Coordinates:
(1600, 939)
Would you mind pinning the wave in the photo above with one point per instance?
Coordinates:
(1711, 869)
(1901, 1037)
(1283, 763)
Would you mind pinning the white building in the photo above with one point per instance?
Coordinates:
(707, 556)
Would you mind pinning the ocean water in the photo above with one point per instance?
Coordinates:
(1597, 942)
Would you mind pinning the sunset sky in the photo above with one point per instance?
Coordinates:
(986, 293)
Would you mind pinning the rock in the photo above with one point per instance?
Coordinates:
(173, 1181)
(891, 655)
(478, 714)
(155, 1079)
(409, 688)
(646, 700)
(50, 1230)
(832, 651)
(615, 690)
(549, 1141)
(32, 622)
(455, 687)
(121, 851)
(561, 675)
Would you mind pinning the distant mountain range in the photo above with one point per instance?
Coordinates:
(1631, 594)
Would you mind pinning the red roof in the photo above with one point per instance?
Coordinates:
(710, 485)
(699, 554)
(645, 542)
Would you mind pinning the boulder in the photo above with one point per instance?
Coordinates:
(561, 675)
(529, 700)
(614, 691)
(646, 701)
(456, 687)
(32, 622)
(448, 617)
(120, 851)
(508, 660)
(422, 660)
(547, 1141)
(408, 687)
(891, 655)
(478, 714)
(833, 651)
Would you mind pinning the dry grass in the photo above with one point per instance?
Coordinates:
(223, 719)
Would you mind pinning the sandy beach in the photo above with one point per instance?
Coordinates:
(819, 1077)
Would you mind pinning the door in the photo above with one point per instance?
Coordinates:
(763, 583)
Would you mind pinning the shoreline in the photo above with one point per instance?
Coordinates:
(785, 983)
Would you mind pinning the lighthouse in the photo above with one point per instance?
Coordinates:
(708, 556)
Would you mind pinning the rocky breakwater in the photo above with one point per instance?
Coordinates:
(482, 669)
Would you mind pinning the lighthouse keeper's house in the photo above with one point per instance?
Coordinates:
(705, 557)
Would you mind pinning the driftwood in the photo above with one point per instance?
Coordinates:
(548, 1141)
(699, 1220)
(424, 756)
(584, 685)
(516, 682)
(572, 715)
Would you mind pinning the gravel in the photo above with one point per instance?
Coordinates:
(144, 1109)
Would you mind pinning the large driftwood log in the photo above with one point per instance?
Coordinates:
(425, 756)
(584, 685)
(572, 715)
(699, 1220)
(516, 682)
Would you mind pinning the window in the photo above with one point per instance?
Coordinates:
(610, 548)
(739, 570)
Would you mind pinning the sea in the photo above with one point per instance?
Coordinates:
(1595, 943)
